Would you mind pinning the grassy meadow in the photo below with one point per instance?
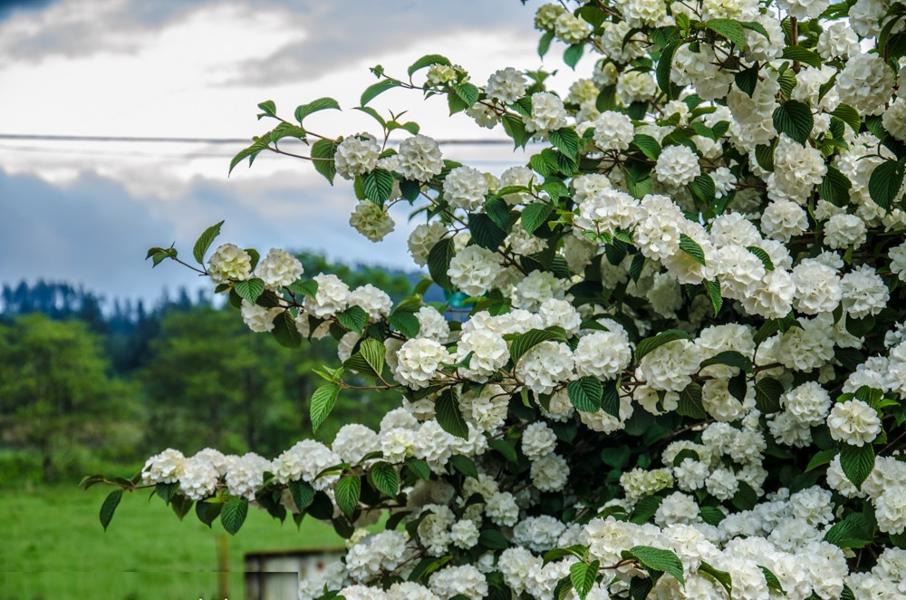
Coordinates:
(55, 549)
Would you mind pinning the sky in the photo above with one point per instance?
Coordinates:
(86, 212)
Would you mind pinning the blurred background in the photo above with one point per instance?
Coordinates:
(117, 122)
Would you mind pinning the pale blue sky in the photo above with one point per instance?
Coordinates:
(86, 211)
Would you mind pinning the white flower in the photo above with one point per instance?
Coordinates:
(357, 155)
(419, 158)
(474, 270)
(538, 440)
(606, 210)
(818, 288)
(803, 9)
(864, 292)
(418, 361)
(371, 220)
(229, 263)
(432, 324)
(465, 188)
(602, 354)
(807, 403)
(722, 484)
(488, 351)
(506, 85)
(894, 118)
(571, 29)
(550, 473)
(866, 83)
(536, 288)
(670, 366)
(165, 467)
(375, 302)
(556, 312)
(660, 224)
(332, 296)
(516, 564)
(890, 510)
(464, 580)
(544, 366)
(502, 509)
(843, 230)
(538, 533)
(548, 114)
(517, 177)
(354, 441)
(677, 508)
(245, 475)
(838, 40)
(258, 318)
(305, 461)
(613, 131)
(782, 219)
(464, 534)
(424, 237)
(854, 422)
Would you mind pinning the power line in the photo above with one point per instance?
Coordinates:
(193, 140)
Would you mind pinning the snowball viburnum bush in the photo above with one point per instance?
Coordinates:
(683, 371)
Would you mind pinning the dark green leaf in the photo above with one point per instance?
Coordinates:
(583, 575)
(204, 242)
(347, 493)
(375, 90)
(322, 403)
(795, 119)
(207, 512)
(528, 340)
(585, 394)
(250, 289)
(464, 465)
(729, 29)
(835, 187)
(566, 140)
(848, 115)
(691, 247)
(804, 55)
(772, 581)
(651, 343)
(448, 415)
(763, 256)
(572, 54)
(535, 215)
(439, 261)
(378, 185)
(302, 494)
(427, 61)
(659, 559)
(353, 318)
(857, 462)
(314, 106)
(885, 183)
(721, 577)
(322, 158)
(730, 358)
(233, 515)
(647, 145)
(285, 331)
(108, 508)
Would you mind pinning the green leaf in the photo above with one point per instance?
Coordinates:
(314, 106)
(353, 318)
(713, 289)
(721, 577)
(572, 54)
(419, 468)
(664, 68)
(764, 156)
(535, 215)
(691, 247)
(730, 358)
(747, 79)
(729, 29)
(856, 530)
(795, 119)
(763, 256)
(493, 539)
(485, 232)
(566, 140)
(505, 448)
(466, 92)
(857, 462)
(585, 394)
(204, 242)
(448, 415)
(885, 183)
(803, 55)
(322, 155)
(347, 493)
(610, 401)
(384, 478)
(250, 289)
(439, 261)
(583, 575)
(303, 494)
(250, 153)
(207, 512)
(268, 109)
(821, 458)
(376, 89)
(659, 559)
(544, 43)
(405, 322)
(285, 331)
(464, 465)
(647, 145)
(651, 343)
(322, 403)
(233, 515)
(427, 61)
(835, 187)
(109, 507)
(690, 402)
(515, 128)
(848, 115)
(531, 338)
(772, 581)
(373, 351)
(378, 185)
(711, 515)
(767, 395)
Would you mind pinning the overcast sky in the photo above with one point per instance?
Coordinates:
(86, 212)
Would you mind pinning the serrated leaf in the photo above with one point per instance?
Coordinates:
(378, 185)
(427, 61)
(690, 402)
(848, 115)
(647, 145)
(353, 318)
(747, 79)
(795, 119)
(376, 89)
(544, 43)
(659, 559)
(347, 493)
(485, 232)
(857, 462)
(835, 187)
(505, 448)
(804, 55)
(764, 156)
(821, 458)
(250, 289)
(322, 158)
(419, 468)
(713, 289)
(535, 215)
(585, 394)
(464, 465)
(384, 478)
(449, 416)
(439, 262)
(466, 92)
(204, 242)
(373, 352)
(854, 531)
(572, 54)
(515, 128)
(314, 106)
(664, 69)
(207, 512)
(763, 256)
(582, 575)
(285, 331)
(531, 338)
(322, 403)
(772, 581)
(405, 322)
(730, 358)
(729, 29)
(566, 140)
(303, 494)
(610, 399)
(493, 539)
(767, 395)
(233, 514)
(651, 343)
(108, 507)
(721, 577)
(249, 152)
(885, 183)
(692, 248)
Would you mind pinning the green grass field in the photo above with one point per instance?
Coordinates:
(54, 547)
